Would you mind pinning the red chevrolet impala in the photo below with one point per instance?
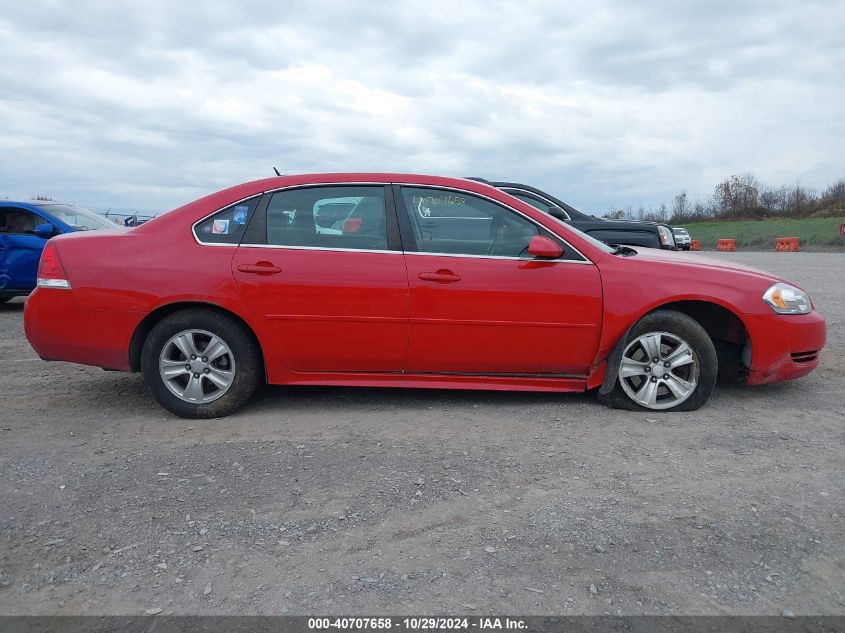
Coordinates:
(395, 280)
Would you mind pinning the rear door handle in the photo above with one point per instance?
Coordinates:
(441, 276)
(260, 268)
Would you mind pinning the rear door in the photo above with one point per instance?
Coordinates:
(330, 298)
(480, 304)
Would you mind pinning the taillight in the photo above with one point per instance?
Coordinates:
(51, 273)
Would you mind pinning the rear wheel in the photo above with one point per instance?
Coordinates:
(200, 363)
(669, 364)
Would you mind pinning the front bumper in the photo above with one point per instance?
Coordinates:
(784, 346)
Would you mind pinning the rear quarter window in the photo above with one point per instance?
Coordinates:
(228, 225)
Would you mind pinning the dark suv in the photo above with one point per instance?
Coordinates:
(627, 232)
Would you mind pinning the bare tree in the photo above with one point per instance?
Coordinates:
(680, 208)
(744, 196)
(799, 200)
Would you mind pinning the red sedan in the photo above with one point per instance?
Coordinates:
(393, 280)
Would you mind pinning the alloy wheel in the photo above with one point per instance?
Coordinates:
(197, 366)
(659, 370)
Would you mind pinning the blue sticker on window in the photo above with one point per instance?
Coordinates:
(241, 211)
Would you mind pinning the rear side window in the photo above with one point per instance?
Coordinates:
(348, 217)
(228, 225)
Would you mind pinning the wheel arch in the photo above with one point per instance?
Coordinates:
(148, 322)
(723, 324)
(726, 329)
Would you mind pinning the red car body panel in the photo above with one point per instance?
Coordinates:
(391, 319)
(543, 318)
(314, 318)
(776, 338)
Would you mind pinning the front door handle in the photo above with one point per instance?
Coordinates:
(441, 276)
(260, 268)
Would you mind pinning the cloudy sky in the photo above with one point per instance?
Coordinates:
(150, 104)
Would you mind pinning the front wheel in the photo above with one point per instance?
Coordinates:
(669, 364)
(200, 363)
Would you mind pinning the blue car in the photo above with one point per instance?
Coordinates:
(24, 229)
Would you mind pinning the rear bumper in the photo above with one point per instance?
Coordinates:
(784, 347)
(57, 329)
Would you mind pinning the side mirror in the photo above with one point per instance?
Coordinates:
(557, 212)
(541, 246)
(45, 231)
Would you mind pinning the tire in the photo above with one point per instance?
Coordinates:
(697, 365)
(237, 363)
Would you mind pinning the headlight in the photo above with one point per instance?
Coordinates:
(786, 299)
(666, 238)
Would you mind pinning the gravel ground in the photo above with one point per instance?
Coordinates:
(401, 501)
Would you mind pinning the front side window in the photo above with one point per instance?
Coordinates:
(328, 217)
(18, 221)
(228, 225)
(458, 223)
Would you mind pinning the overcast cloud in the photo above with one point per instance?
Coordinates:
(150, 104)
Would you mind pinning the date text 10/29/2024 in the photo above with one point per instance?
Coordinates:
(417, 624)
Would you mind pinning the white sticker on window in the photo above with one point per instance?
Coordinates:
(220, 227)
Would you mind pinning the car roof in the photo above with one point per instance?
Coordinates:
(246, 189)
(38, 203)
(31, 205)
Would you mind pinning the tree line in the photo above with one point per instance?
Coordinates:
(744, 197)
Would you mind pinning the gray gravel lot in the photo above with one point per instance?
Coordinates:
(401, 501)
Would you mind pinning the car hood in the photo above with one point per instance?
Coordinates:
(689, 260)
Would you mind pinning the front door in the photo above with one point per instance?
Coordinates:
(332, 292)
(20, 248)
(481, 305)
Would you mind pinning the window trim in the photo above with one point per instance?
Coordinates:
(400, 216)
(394, 243)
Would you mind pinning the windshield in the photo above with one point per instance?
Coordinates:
(77, 218)
(679, 231)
